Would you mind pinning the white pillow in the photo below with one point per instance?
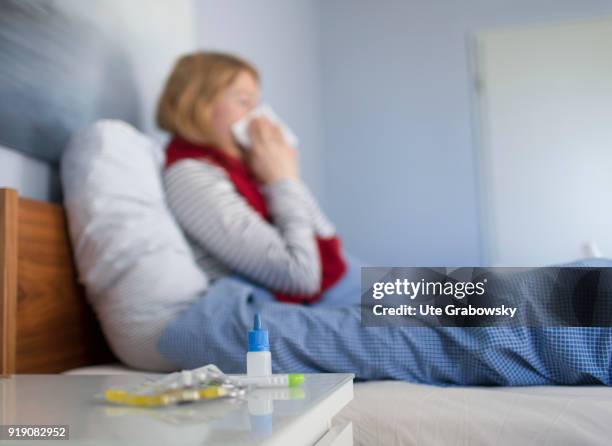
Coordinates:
(131, 255)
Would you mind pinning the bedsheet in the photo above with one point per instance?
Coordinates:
(393, 413)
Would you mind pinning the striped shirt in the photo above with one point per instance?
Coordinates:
(228, 236)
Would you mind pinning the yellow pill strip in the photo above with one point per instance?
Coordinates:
(127, 398)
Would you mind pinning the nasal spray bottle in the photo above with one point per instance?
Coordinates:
(259, 360)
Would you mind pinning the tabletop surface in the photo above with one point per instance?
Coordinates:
(71, 400)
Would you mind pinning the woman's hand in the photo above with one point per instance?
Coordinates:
(270, 157)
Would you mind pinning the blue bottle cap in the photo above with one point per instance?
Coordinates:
(258, 337)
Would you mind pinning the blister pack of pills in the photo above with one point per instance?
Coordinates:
(204, 383)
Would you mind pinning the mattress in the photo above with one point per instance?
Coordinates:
(397, 413)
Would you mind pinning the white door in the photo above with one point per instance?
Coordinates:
(545, 108)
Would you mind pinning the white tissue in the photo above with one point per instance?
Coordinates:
(240, 128)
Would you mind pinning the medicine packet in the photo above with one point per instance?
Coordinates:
(204, 383)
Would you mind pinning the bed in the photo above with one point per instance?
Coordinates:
(46, 326)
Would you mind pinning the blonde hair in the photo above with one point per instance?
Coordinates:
(196, 79)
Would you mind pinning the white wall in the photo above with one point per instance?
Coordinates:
(153, 56)
(281, 38)
(30, 177)
(399, 147)
(149, 58)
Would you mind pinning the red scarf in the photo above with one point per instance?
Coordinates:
(332, 261)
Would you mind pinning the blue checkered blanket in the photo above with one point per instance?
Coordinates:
(329, 337)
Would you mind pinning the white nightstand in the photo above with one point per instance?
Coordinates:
(299, 416)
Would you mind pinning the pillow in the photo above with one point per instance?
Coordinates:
(131, 255)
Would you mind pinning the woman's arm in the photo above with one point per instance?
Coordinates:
(282, 257)
(322, 226)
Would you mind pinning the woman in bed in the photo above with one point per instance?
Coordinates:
(247, 214)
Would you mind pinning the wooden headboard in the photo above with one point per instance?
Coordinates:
(46, 325)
